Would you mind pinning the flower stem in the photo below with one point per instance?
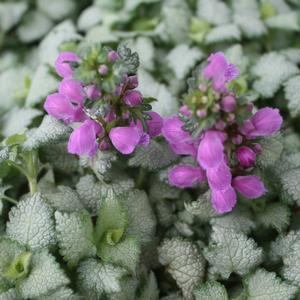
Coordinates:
(140, 178)
(9, 199)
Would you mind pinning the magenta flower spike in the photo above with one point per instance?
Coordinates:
(220, 71)
(186, 176)
(133, 98)
(249, 186)
(155, 124)
(72, 89)
(224, 200)
(83, 140)
(246, 156)
(219, 177)
(62, 64)
(124, 139)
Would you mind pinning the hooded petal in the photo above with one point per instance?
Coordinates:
(249, 186)
(184, 149)
(83, 140)
(62, 63)
(155, 124)
(186, 176)
(223, 200)
(219, 177)
(133, 98)
(72, 89)
(124, 139)
(246, 156)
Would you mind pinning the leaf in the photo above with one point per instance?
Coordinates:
(270, 72)
(291, 90)
(56, 9)
(265, 285)
(223, 33)
(125, 253)
(211, 290)
(290, 184)
(235, 55)
(185, 264)
(45, 276)
(90, 17)
(292, 54)
(129, 59)
(187, 57)
(11, 294)
(155, 156)
(288, 21)
(62, 293)
(231, 251)
(18, 119)
(150, 290)
(75, 236)
(291, 263)
(30, 223)
(50, 131)
(96, 278)
(214, 11)
(275, 215)
(42, 84)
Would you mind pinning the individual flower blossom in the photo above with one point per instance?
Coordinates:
(223, 200)
(186, 176)
(154, 124)
(220, 71)
(250, 186)
(246, 156)
(92, 92)
(83, 140)
(63, 64)
(113, 56)
(133, 98)
(72, 89)
(219, 177)
(132, 82)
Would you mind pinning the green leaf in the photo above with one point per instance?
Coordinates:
(96, 278)
(19, 267)
(187, 57)
(287, 21)
(45, 276)
(75, 236)
(185, 264)
(11, 294)
(225, 255)
(50, 131)
(265, 285)
(156, 156)
(291, 90)
(62, 293)
(150, 289)
(235, 55)
(291, 263)
(270, 72)
(129, 59)
(90, 17)
(223, 33)
(290, 185)
(30, 223)
(124, 253)
(211, 290)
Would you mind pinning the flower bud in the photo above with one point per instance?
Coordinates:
(132, 82)
(228, 104)
(201, 113)
(133, 98)
(112, 56)
(92, 92)
(237, 140)
(220, 125)
(246, 156)
(103, 69)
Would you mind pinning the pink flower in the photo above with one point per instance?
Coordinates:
(185, 111)
(186, 176)
(72, 89)
(83, 140)
(113, 56)
(62, 64)
(103, 69)
(249, 186)
(92, 92)
(223, 200)
(220, 71)
(124, 139)
(155, 124)
(246, 156)
(133, 98)
(228, 104)
(219, 177)
(132, 82)
(264, 122)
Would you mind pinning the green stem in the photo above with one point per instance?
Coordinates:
(9, 199)
(140, 178)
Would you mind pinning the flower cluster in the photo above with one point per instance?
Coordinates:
(220, 132)
(98, 97)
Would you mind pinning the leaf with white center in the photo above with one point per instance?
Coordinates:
(288, 21)
(223, 33)
(50, 131)
(291, 90)
(292, 54)
(125, 253)
(100, 34)
(162, 190)
(184, 262)
(186, 56)
(75, 236)
(34, 26)
(166, 104)
(290, 185)
(96, 278)
(49, 46)
(31, 224)
(214, 11)
(155, 156)
(133, 4)
(290, 270)
(263, 285)
(42, 84)
(150, 289)
(231, 251)
(141, 219)
(176, 10)
(210, 290)
(270, 72)
(8, 59)
(11, 13)
(11, 294)
(275, 215)
(45, 276)
(62, 293)
(18, 119)
(90, 17)
(56, 9)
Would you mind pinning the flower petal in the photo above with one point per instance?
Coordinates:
(62, 63)
(72, 89)
(223, 200)
(219, 177)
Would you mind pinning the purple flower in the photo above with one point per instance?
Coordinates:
(264, 122)
(112, 55)
(103, 69)
(132, 82)
(155, 124)
(246, 156)
(228, 104)
(62, 64)
(83, 140)
(185, 111)
(210, 151)
(72, 89)
(133, 98)
(219, 177)
(92, 92)
(223, 200)
(124, 139)
(186, 176)
(60, 107)
(220, 71)
(249, 186)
